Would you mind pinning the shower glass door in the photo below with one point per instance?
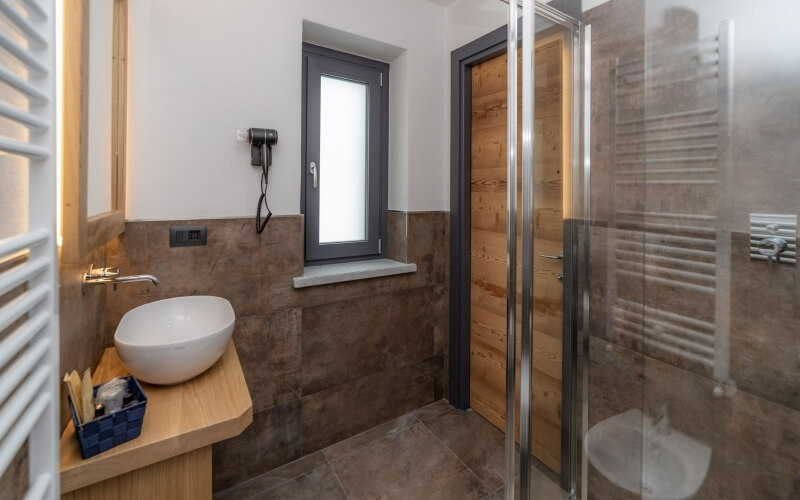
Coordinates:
(690, 351)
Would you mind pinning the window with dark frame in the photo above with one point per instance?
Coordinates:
(344, 156)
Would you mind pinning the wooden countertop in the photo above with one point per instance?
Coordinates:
(212, 407)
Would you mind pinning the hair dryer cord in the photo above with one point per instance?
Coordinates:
(263, 199)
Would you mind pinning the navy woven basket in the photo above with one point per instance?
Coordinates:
(112, 429)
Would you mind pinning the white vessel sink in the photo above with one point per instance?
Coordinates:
(629, 451)
(173, 340)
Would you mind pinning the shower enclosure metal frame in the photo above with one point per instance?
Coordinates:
(530, 10)
(502, 40)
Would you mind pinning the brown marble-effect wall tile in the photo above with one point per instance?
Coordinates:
(270, 353)
(612, 368)
(397, 234)
(441, 297)
(762, 450)
(234, 263)
(81, 320)
(764, 350)
(343, 341)
(347, 409)
(273, 439)
(768, 139)
(441, 337)
(341, 344)
(428, 246)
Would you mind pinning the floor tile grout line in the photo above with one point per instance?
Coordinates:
(373, 442)
(335, 475)
(376, 440)
(280, 481)
(488, 488)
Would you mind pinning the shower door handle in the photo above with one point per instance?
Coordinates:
(554, 257)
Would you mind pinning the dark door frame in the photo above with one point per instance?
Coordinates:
(461, 62)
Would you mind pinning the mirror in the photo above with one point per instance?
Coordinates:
(94, 118)
(99, 114)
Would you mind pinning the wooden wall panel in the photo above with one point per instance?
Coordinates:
(488, 246)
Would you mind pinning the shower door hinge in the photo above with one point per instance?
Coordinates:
(380, 245)
(381, 78)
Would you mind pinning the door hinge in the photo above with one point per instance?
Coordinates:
(380, 245)
(381, 78)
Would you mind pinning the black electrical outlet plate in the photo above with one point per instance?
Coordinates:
(187, 236)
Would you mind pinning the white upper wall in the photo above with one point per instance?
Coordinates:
(199, 70)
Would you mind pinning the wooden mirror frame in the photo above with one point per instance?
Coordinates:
(82, 234)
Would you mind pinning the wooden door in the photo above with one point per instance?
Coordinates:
(488, 243)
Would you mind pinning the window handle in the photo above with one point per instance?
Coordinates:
(313, 170)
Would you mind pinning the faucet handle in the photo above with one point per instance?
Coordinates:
(103, 272)
(109, 271)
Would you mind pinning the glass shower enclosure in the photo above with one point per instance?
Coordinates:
(679, 199)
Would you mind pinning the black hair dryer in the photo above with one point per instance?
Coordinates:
(261, 141)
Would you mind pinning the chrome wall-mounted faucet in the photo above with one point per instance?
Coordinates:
(111, 275)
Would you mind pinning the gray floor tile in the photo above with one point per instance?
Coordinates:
(412, 464)
(318, 484)
(268, 480)
(349, 445)
(435, 452)
(479, 444)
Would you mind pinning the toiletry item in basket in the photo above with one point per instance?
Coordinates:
(87, 399)
(75, 391)
(111, 393)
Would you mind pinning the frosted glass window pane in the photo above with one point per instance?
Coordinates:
(343, 161)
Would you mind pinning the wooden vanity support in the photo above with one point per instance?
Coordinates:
(172, 456)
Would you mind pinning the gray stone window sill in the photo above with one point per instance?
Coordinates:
(350, 271)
